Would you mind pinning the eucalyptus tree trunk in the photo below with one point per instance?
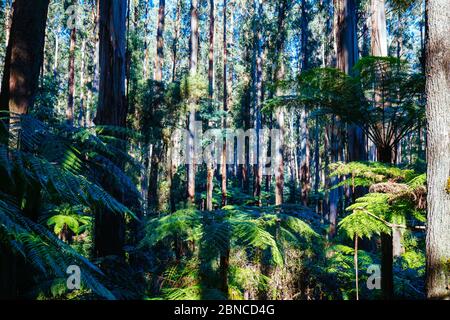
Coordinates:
(70, 100)
(211, 79)
(23, 61)
(438, 147)
(193, 66)
(223, 165)
(175, 41)
(280, 44)
(347, 54)
(112, 110)
(160, 147)
(159, 58)
(83, 113)
(385, 154)
(24, 56)
(211, 60)
(379, 30)
(258, 94)
(305, 147)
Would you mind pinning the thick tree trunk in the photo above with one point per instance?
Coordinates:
(346, 57)
(379, 31)
(438, 147)
(112, 111)
(24, 56)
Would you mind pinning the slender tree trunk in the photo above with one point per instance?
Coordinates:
(224, 166)
(258, 96)
(83, 113)
(193, 66)
(211, 79)
(438, 149)
(159, 58)
(70, 102)
(280, 113)
(211, 66)
(175, 41)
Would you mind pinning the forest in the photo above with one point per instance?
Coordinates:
(225, 150)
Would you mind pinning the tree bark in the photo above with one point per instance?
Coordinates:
(258, 96)
(379, 30)
(24, 56)
(112, 111)
(347, 55)
(224, 166)
(280, 113)
(70, 102)
(175, 41)
(159, 58)
(193, 66)
(438, 147)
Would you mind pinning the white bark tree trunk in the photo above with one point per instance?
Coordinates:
(438, 115)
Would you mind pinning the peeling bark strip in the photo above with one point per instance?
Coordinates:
(112, 111)
(438, 115)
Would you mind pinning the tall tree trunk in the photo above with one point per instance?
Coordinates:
(304, 172)
(24, 56)
(83, 113)
(159, 58)
(23, 61)
(193, 66)
(70, 102)
(347, 55)
(379, 48)
(112, 111)
(211, 80)
(175, 41)
(279, 69)
(224, 166)
(258, 95)
(211, 60)
(438, 147)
